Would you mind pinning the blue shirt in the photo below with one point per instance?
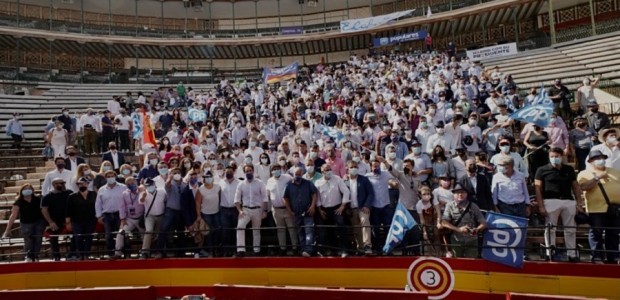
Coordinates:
(147, 172)
(109, 199)
(381, 188)
(299, 196)
(174, 194)
(14, 127)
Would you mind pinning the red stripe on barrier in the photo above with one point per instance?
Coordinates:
(133, 293)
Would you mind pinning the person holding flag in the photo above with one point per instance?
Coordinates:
(465, 219)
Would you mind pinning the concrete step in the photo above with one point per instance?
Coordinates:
(34, 182)
(37, 176)
(44, 170)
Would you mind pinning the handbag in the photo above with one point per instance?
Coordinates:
(612, 209)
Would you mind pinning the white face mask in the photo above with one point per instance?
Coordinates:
(599, 162)
(611, 140)
(440, 130)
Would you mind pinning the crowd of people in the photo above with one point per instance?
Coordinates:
(325, 159)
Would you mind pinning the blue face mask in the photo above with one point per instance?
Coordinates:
(163, 171)
(132, 187)
(556, 161)
(298, 178)
(249, 176)
(27, 192)
(193, 181)
(377, 171)
(277, 173)
(151, 189)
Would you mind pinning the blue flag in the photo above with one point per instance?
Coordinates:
(137, 126)
(504, 240)
(401, 222)
(332, 132)
(539, 112)
(197, 115)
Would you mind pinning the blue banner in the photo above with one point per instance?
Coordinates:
(274, 75)
(197, 115)
(291, 30)
(137, 126)
(401, 38)
(401, 222)
(504, 240)
(538, 113)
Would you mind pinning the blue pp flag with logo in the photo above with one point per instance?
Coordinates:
(504, 240)
(137, 126)
(539, 112)
(197, 115)
(401, 223)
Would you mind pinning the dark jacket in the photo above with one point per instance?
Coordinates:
(482, 195)
(365, 192)
(79, 160)
(188, 207)
(108, 156)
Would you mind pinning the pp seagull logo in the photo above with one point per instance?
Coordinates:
(506, 235)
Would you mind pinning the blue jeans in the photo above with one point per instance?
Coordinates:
(172, 221)
(83, 236)
(517, 210)
(33, 237)
(212, 240)
(595, 236)
(380, 219)
(228, 221)
(111, 223)
(305, 232)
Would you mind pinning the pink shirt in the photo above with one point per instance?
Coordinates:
(558, 137)
(337, 166)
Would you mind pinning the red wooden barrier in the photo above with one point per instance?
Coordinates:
(241, 292)
(117, 293)
(517, 296)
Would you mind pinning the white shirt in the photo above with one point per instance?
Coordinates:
(114, 155)
(445, 141)
(473, 132)
(613, 156)
(353, 190)
(459, 166)
(160, 182)
(251, 193)
(256, 152)
(210, 199)
(47, 186)
(228, 192)
(275, 188)
(93, 121)
(114, 107)
(332, 191)
(124, 122)
(159, 205)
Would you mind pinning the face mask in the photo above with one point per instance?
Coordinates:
(491, 124)
(187, 166)
(313, 155)
(111, 148)
(329, 174)
(417, 150)
(132, 187)
(249, 176)
(60, 166)
(163, 171)
(282, 163)
(277, 173)
(252, 144)
(392, 155)
(83, 188)
(229, 176)
(106, 168)
(176, 177)
(193, 181)
(110, 181)
(599, 162)
(151, 189)
(73, 153)
(66, 113)
(431, 111)
(248, 160)
(353, 171)
(423, 124)
(298, 179)
(209, 180)
(27, 192)
(555, 160)
(407, 170)
(440, 131)
(552, 121)
(611, 140)
(86, 172)
(166, 143)
(377, 171)
(153, 162)
(395, 140)
(505, 149)
(472, 122)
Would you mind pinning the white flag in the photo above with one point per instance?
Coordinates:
(429, 13)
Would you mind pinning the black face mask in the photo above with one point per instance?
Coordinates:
(83, 188)
(407, 170)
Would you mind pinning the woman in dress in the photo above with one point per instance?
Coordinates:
(536, 142)
(58, 138)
